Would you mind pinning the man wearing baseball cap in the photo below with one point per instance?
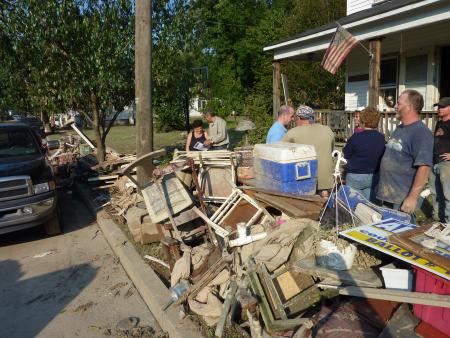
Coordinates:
(319, 136)
(440, 175)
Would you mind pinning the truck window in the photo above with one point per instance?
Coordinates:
(15, 143)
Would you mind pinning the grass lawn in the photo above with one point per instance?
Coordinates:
(123, 138)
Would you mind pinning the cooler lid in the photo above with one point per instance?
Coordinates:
(284, 152)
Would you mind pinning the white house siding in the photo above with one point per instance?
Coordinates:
(354, 6)
(420, 41)
(357, 92)
(356, 95)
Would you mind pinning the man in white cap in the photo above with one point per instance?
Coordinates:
(319, 136)
(440, 174)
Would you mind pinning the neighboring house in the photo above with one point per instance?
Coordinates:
(415, 49)
(196, 106)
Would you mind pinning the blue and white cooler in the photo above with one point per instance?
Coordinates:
(285, 167)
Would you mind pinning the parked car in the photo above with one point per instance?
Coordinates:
(33, 122)
(28, 195)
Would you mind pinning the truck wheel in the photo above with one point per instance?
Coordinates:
(53, 226)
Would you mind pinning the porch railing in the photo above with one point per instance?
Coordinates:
(342, 122)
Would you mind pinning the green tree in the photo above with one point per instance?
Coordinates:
(71, 54)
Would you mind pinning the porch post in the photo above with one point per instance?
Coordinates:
(374, 72)
(276, 88)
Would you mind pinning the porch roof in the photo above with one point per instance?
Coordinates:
(380, 20)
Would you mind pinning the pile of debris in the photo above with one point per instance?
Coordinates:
(262, 261)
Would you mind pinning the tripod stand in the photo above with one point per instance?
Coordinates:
(334, 191)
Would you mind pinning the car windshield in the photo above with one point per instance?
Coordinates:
(14, 143)
(28, 120)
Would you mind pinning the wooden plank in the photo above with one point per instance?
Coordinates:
(102, 178)
(310, 198)
(288, 285)
(393, 295)
(358, 277)
(293, 208)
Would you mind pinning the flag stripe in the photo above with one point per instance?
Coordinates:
(333, 58)
(340, 46)
(340, 56)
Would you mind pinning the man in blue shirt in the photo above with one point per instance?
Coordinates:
(278, 129)
(408, 156)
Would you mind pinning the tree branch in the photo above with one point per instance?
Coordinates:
(111, 123)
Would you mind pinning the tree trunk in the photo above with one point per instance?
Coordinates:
(100, 143)
(46, 122)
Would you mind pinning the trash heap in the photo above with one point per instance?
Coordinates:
(252, 251)
(247, 255)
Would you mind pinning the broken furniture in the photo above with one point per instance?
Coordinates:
(166, 197)
(216, 173)
(272, 308)
(238, 208)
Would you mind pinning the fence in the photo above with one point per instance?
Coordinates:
(342, 122)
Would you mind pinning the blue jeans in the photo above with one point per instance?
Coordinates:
(364, 183)
(440, 189)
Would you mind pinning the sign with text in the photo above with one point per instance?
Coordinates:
(376, 236)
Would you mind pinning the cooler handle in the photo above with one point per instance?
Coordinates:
(298, 167)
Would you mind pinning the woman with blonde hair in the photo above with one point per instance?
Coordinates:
(363, 153)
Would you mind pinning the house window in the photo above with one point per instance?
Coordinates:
(416, 73)
(388, 83)
(416, 69)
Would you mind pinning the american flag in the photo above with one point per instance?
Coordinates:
(341, 44)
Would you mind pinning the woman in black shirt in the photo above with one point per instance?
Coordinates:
(197, 137)
(363, 153)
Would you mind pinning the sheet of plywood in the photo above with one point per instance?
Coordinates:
(175, 194)
(288, 285)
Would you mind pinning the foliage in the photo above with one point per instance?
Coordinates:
(70, 55)
(79, 54)
(218, 107)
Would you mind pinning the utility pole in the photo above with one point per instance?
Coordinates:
(143, 76)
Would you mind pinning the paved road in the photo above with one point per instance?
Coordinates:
(69, 285)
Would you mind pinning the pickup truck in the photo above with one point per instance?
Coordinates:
(28, 195)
